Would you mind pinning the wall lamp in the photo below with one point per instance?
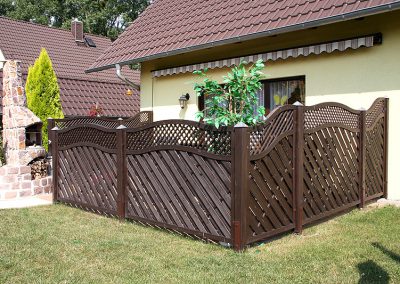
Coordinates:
(183, 100)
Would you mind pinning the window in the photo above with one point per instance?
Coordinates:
(278, 92)
(274, 93)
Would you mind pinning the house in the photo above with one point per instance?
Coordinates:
(71, 52)
(315, 51)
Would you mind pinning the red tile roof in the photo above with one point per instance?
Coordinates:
(79, 91)
(174, 26)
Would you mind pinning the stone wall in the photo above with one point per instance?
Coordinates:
(16, 182)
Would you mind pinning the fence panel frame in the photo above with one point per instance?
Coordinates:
(298, 180)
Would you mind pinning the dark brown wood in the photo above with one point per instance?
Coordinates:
(362, 158)
(298, 157)
(386, 147)
(240, 186)
(121, 171)
(55, 158)
(50, 126)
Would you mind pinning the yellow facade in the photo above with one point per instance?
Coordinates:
(352, 77)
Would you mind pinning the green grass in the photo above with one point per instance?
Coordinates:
(58, 244)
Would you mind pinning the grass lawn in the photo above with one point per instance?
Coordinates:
(59, 244)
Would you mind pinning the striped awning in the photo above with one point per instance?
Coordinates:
(329, 47)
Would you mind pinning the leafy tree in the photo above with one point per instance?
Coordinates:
(102, 17)
(5, 7)
(235, 100)
(43, 93)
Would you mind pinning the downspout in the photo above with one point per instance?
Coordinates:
(126, 80)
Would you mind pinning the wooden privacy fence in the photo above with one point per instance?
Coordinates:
(141, 118)
(237, 185)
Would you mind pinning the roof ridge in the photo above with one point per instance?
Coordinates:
(51, 27)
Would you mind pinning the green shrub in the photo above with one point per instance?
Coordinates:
(43, 93)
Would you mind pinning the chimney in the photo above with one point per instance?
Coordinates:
(77, 30)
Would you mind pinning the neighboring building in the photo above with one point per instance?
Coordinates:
(315, 51)
(71, 53)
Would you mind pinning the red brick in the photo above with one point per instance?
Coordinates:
(25, 170)
(10, 194)
(48, 189)
(5, 186)
(38, 190)
(43, 182)
(12, 170)
(9, 179)
(16, 185)
(27, 177)
(26, 184)
(24, 193)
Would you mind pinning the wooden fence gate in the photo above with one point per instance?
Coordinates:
(237, 185)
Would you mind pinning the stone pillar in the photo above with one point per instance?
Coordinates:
(16, 117)
(15, 177)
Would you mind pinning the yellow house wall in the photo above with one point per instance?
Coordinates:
(353, 77)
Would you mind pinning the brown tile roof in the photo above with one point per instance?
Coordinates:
(174, 26)
(79, 91)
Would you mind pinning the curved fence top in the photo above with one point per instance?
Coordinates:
(180, 134)
(144, 135)
(137, 120)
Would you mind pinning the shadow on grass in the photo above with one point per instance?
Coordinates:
(389, 253)
(370, 272)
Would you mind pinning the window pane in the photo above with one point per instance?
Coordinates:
(282, 92)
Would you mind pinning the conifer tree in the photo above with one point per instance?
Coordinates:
(43, 93)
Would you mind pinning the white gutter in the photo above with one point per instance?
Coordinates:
(126, 80)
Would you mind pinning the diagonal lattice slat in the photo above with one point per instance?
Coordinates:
(88, 177)
(180, 133)
(159, 190)
(87, 134)
(329, 113)
(331, 174)
(262, 136)
(375, 159)
(270, 185)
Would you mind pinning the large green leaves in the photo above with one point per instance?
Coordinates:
(235, 100)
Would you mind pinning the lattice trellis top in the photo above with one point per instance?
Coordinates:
(329, 47)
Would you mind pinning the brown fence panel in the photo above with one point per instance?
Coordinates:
(179, 177)
(376, 131)
(331, 160)
(86, 172)
(270, 210)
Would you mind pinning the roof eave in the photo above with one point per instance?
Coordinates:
(292, 28)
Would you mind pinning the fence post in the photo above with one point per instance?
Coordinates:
(362, 160)
(55, 157)
(122, 173)
(240, 191)
(385, 151)
(298, 165)
(50, 126)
